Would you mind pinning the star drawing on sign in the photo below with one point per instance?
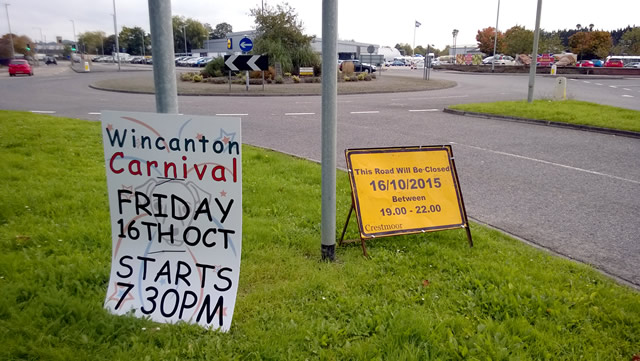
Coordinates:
(128, 188)
(199, 136)
(110, 127)
(225, 140)
(223, 193)
(226, 137)
(117, 294)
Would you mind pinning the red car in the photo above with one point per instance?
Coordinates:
(585, 64)
(20, 66)
(614, 63)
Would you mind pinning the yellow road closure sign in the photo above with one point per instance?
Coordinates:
(405, 190)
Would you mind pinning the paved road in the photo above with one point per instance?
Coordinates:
(573, 192)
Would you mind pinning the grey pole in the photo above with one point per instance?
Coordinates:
(534, 55)
(184, 32)
(495, 41)
(164, 71)
(329, 126)
(143, 43)
(115, 29)
(6, 7)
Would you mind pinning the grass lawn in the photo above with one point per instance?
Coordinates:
(420, 297)
(568, 111)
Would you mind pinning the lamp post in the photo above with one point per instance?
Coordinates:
(495, 40)
(143, 43)
(6, 7)
(115, 29)
(184, 32)
(455, 35)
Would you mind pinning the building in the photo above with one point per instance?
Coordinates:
(347, 50)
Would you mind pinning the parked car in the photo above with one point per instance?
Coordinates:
(614, 63)
(584, 64)
(398, 63)
(361, 67)
(597, 62)
(50, 60)
(635, 65)
(20, 66)
(500, 60)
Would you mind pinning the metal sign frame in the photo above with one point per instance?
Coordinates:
(360, 204)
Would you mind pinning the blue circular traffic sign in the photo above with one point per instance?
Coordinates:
(246, 44)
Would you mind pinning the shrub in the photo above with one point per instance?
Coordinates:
(255, 75)
(287, 75)
(296, 79)
(361, 76)
(197, 78)
(353, 78)
(348, 67)
(308, 79)
(347, 78)
(367, 77)
(373, 76)
(279, 80)
(271, 73)
(215, 67)
(186, 76)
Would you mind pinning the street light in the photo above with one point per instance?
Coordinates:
(115, 29)
(6, 7)
(455, 35)
(143, 43)
(495, 40)
(184, 32)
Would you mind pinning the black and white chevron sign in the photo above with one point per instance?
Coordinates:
(246, 62)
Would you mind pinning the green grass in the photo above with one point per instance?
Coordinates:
(421, 297)
(568, 111)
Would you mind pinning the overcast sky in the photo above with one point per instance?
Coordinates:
(372, 21)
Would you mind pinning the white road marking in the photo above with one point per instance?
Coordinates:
(423, 110)
(613, 86)
(94, 113)
(42, 111)
(573, 79)
(627, 96)
(426, 98)
(366, 112)
(627, 89)
(549, 163)
(597, 84)
(231, 115)
(588, 82)
(299, 113)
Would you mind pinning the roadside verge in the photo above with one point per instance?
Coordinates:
(588, 128)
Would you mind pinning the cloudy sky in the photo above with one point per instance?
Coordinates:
(372, 21)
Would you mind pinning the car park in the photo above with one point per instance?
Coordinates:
(20, 66)
(614, 63)
(597, 62)
(635, 65)
(499, 60)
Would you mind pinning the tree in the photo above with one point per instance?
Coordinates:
(629, 42)
(550, 43)
(196, 33)
(518, 40)
(280, 34)
(92, 40)
(596, 44)
(19, 45)
(420, 50)
(404, 49)
(131, 39)
(221, 31)
(110, 44)
(486, 38)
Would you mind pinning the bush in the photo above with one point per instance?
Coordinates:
(367, 77)
(361, 76)
(347, 78)
(186, 76)
(308, 79)
(215, 68)
(197, 78)
(288, 75)
(353, 78)
(279, 80)
(296, 79)
(271, 73)
(255, 75)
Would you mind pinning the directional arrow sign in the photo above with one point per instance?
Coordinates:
(246, 44)
(246, 62)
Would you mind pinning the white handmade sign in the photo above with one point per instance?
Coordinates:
(175, 195)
